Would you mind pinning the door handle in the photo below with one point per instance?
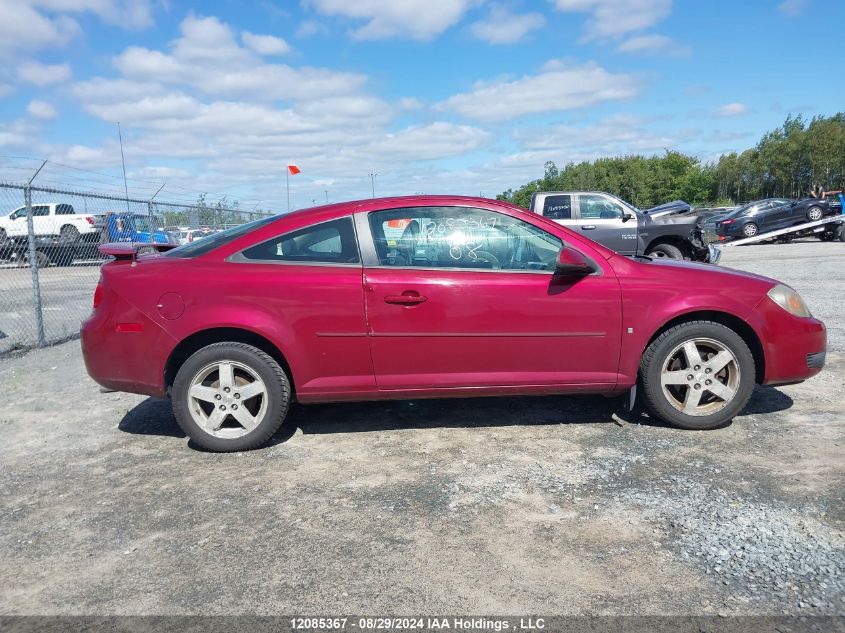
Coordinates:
(406, 299)
(588, 227)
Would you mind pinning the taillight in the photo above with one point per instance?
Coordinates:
(727, 221)
(98, 294)
(90, 220)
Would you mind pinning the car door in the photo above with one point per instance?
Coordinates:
(310, 280)
(16, 225)
(464, 297)
(602, 219)
(779, 214)
(42, 222)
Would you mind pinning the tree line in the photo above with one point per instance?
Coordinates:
(788, 162)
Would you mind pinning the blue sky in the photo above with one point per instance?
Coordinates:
(461, 96)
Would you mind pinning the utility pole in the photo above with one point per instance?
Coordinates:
(373, 183)
(123, 162)
(33, 260)
(150, 204)
(327, 195)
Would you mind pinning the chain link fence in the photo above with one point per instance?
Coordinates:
(49, 257)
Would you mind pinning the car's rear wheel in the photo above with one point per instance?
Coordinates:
(41, 259)
(697, 375)
(750, 229)
(230, 397)
(667, 251)
(69, 234)
(814, 213)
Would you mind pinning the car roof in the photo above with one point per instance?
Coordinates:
(313, 215)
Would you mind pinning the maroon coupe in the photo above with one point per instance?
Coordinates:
(431, 296)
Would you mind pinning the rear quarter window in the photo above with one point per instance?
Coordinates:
(216, 240)
(558, 207)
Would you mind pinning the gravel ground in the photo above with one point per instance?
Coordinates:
(555, 505)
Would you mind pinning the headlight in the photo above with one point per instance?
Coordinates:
(789, 300)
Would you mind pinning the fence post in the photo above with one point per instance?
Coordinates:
(33, 266)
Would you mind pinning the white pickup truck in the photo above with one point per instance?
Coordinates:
(54, 219)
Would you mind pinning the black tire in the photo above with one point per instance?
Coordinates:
(265, 366)
(667, 251)
(69, 234)
(814, 213)
(657, 355)
(840, 233)
(750, 230)
(41, 259)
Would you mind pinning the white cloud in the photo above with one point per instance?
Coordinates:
(611, 136)
(559, 87)
(308, 28)
(615, 18)
(433, 141)
(503, 27)
(44, 74)
(792, 8)
(417, 19)
(40, 110)
(18, 18)
(265, 44)
(33, 25)
(410, 103)
(655, 45)
(731, 109)
(208, 58)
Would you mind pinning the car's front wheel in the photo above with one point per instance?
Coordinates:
(697, 375)
(667, 251)
(230, 397)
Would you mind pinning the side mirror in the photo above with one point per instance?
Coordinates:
(572, 262)
(626, 217)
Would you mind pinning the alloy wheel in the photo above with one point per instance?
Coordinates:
(227, 399)
(700, 377)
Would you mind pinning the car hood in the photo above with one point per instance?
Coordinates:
(683, 219)
(691, 286)
(676, 206)
(711, 269)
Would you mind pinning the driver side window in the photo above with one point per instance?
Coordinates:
(599, 208)
(461, 237)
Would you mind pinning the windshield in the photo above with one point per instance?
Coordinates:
(740, 210)
(215, 240)
(142, 224)
(627, 205)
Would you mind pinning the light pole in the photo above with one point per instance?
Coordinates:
(373, 183)
(327, 195)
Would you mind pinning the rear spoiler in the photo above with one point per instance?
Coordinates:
(129, 250)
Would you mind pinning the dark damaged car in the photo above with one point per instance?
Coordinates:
(619, 225)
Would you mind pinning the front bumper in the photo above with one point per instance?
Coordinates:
(714, 254)
(795, 347)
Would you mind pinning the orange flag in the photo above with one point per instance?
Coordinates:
(294, 170)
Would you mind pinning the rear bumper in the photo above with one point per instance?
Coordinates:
(125, 358)
(795, 347)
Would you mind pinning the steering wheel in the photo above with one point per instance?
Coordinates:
(487, 256)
